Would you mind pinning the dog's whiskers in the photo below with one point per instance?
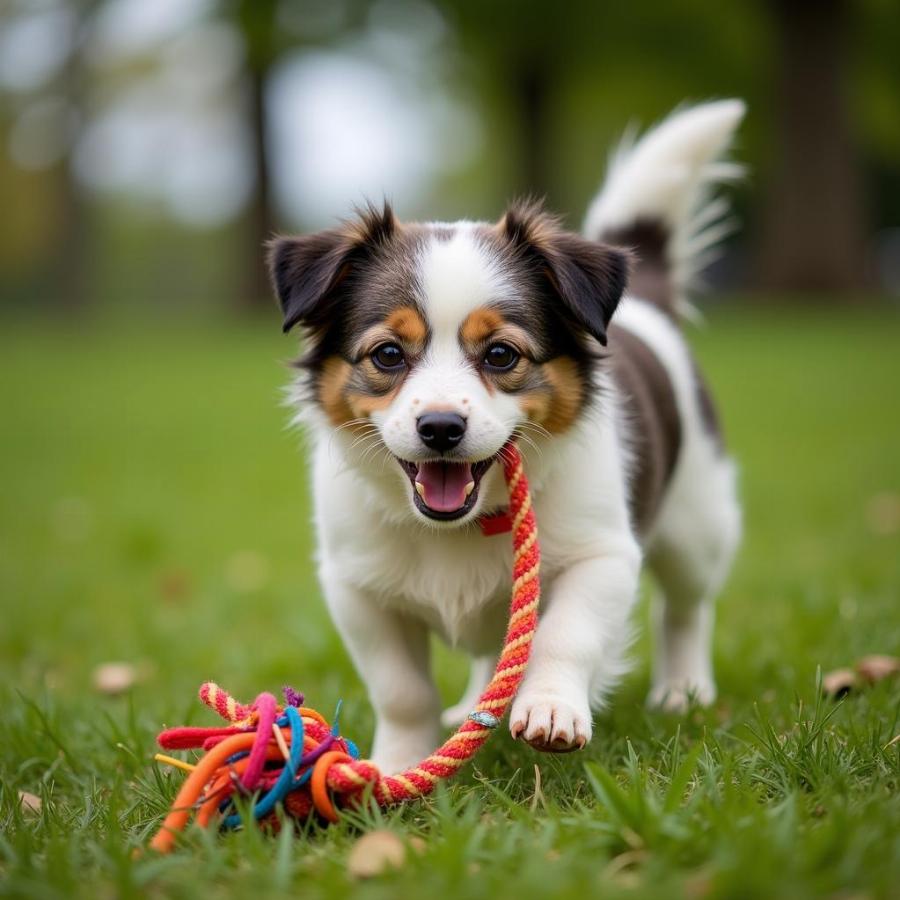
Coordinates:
(543, 432)
(364, 438)
(362, 423)
(520, 435)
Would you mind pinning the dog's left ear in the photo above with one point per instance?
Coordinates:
(588, 277)
(309, 272)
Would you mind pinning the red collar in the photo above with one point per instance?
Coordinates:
(498, 522)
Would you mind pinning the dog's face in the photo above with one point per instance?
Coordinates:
(447, 340)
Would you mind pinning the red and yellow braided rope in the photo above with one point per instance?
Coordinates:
(336, 777)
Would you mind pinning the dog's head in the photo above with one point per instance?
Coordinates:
(443, 341)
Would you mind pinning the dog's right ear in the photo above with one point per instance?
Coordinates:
(308, 271)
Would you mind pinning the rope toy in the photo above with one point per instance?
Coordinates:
(291, 755)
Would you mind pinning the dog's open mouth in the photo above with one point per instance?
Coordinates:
(445, 489)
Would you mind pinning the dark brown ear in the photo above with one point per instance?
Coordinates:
(588, 277)
(308, 271)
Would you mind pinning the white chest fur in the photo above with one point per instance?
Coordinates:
(457, 581)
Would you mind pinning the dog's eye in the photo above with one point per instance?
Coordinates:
(500, 357)
(388, 357)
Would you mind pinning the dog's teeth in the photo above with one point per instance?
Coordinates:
(420, 489)
(470, 487)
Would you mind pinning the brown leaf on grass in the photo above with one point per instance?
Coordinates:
(114, 678)
(883, 513)
(417, 844)
(839, 682)
(877, 667)
(374, 853)
(30, 803)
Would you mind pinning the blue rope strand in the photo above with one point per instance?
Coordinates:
(279, 790)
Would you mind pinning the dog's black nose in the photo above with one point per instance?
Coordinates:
(441, 430)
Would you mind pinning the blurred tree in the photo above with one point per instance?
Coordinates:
(55, 267)
(256, 21)
(69, 285)
(553, 87)
(269, 31)
(814, 228)
(517, 45)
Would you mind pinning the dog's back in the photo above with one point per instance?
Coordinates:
(657, 201)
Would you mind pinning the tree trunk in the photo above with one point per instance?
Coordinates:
(531, 87)
(70, 255)
(814, 236)
(256, 21)
(260, 214)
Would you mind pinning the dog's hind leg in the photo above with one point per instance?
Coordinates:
(691, 553)
(480, 672)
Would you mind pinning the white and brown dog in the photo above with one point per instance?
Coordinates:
(427, 347)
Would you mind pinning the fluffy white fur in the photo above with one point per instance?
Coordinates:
(696, 533)
(669, 176)
(390, 576)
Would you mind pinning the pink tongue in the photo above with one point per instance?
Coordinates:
(444, 484)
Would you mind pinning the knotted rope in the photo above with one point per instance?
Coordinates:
(291, 754)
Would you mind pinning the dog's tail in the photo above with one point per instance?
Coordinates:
(658, 199)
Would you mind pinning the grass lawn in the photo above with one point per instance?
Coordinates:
(155, 510)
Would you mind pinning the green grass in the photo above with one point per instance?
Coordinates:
(154, 509)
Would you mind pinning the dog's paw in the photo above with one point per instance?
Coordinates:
(399, 759)
(454, 716)
(550, 724)
(679, 697)
(397, 748)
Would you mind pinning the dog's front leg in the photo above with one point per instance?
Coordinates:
(578, 649)
(391, 654)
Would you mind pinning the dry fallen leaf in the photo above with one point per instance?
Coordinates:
(374, 853)
(883, 513)
(839, 682)
(417, 844)
(30, 803)
(114, 677)
(877, 667)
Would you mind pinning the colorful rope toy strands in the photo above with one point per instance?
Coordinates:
(291, 755)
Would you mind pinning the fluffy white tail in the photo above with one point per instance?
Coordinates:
(662, 184)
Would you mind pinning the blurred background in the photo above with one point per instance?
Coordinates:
(149, 147)
(155, 518)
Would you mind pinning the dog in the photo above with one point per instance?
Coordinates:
(429, 346)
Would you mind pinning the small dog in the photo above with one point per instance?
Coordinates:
(428, 347)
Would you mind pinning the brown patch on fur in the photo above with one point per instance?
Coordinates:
(567, 392)
(556, 403)
(340, 401)
(363, 405)
(479, 325)
(407, 323)
(654, 422)
(332, 387)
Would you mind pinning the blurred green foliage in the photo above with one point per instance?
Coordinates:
(550, 90)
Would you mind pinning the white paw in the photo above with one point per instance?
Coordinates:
(454, 716)
(391, 762)
(678, 697)
(396, 749)
(550, 723)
